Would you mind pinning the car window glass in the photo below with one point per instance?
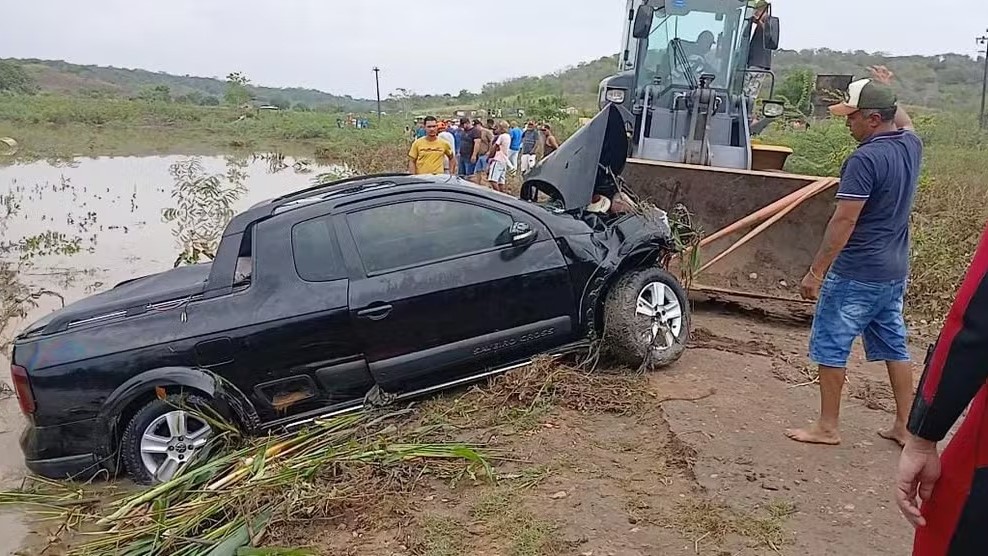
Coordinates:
(316, 252)
(415, 232)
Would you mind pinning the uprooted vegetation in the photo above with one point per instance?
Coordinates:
(467, 473)
(348, 465)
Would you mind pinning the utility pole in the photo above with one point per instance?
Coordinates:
(377, 82)
(983, 40)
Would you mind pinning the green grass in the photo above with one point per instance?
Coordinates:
(443, 536)
(50, 126)
(710, 524)
(523, 532)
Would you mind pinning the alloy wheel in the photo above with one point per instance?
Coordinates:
(170, 441)
(659, 303)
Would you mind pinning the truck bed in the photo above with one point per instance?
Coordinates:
(130, 296)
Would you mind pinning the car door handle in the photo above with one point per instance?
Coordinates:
(377, 312)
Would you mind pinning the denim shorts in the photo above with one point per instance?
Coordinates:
(847, 309)
(467, 168)
(481, 164)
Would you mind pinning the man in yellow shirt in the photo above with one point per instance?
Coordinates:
(427, 153)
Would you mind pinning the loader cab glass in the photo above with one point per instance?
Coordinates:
(686, 42)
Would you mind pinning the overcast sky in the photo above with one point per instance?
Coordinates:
(424, 45)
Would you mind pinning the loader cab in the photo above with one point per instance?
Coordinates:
(684, 92)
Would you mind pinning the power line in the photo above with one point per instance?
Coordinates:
(377, 83)
(983, 40)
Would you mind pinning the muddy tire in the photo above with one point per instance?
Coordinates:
(161, 437)
(646, 319)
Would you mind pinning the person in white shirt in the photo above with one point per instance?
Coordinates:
(445, 135)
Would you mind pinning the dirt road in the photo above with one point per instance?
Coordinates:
(659, 475)
(714, 476)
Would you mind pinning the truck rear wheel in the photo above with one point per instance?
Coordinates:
(163, 436)
(646, 319)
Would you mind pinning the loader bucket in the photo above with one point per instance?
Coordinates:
(771, 264)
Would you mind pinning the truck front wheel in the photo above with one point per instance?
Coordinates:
(163, 436)
(646, 319)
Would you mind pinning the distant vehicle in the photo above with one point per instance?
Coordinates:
(382, 287)
(268, 107)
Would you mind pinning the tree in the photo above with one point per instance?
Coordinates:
(401, 97)
(797, 91)
(192, 97)
(549, 107)
(237, 92)
(14, 79)
(281, 102)
(301, 107)
(158, 93)
(210, 100)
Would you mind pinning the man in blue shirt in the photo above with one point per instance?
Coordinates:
(515, 147)
(858, 276)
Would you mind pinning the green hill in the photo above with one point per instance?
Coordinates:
(949, 81)
(57, 76)
(945, 81)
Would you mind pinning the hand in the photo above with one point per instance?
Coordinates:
(881, 74)
(809, 288)
(473, 159)
(919, 469)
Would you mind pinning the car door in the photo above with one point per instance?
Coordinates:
(299, 350)
(439, 290)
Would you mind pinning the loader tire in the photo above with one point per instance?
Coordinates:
(637, 339)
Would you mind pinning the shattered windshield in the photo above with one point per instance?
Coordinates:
(682, 47)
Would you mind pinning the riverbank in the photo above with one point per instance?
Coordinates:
(56, 127)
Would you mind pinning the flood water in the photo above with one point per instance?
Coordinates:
(113, 207)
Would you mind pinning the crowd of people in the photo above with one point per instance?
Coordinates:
(486, 153)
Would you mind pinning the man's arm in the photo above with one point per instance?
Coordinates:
(838, 231)
(413, 154)
(856, 182)
(902, 119)
(452, 160)
(476, 150)
(884, 76)
(958, 365)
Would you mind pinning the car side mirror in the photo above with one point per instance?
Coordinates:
(773, 108)
(521, 233)
(643, 22)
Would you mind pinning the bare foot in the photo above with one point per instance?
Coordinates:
(814, 435)
(897, 434)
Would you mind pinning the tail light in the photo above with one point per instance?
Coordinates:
(22, 386)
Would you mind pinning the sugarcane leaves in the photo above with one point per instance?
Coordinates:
(231, 545)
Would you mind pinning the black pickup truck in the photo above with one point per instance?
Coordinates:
(372, 289)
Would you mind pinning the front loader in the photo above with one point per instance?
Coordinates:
(683, 88)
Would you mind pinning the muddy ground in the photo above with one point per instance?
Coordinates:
(698, 465)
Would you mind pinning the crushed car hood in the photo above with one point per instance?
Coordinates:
(571, 172)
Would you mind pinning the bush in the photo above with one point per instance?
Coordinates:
(951, 205)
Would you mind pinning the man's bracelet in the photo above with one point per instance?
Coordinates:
(815, 277)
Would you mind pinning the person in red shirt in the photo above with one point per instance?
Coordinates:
(953, 517)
